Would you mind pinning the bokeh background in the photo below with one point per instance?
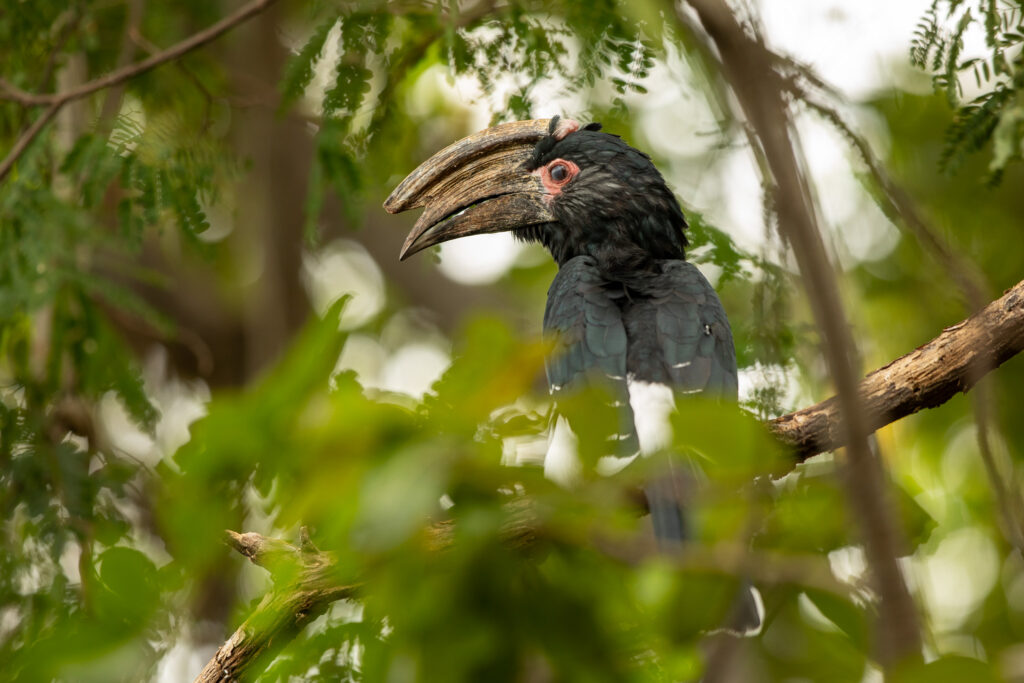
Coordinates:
(176, 360)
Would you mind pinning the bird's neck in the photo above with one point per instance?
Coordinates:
(625, 263)
(619, 250)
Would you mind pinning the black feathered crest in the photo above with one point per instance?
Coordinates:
(548, 143)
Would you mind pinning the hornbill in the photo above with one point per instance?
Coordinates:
(625, 303)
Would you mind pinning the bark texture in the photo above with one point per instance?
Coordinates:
(926, 377)
(306, 583)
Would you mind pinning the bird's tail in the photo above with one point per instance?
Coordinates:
(669, 519)
(664, 502)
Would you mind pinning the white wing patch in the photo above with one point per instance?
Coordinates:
(753, 629)
(652, 404)
(608, 465)
(562, 462)
(759, 608)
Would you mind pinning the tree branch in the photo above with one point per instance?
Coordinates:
(207, 35)
(54, 101)
(306, 580)
(26, 138)
(898, 203)
(926, 377)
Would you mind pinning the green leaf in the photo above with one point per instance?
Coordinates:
(132, 590)
(729, 444)
(300, 68)
(948, 669)
(850, 618)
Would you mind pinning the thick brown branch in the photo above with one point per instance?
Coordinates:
(55, 101)
(924, 378)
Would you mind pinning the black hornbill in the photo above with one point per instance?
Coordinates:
(624, 303)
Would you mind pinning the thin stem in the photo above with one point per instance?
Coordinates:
(26, 138)
(749, 69)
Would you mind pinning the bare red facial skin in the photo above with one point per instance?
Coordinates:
(555, 175)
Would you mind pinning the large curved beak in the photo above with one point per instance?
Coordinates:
(476, 185)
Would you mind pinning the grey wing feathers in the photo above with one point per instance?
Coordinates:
(586, 326)
(693, 332)
(672, 331)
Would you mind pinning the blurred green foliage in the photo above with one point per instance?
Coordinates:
(996, 114)
(109, 562)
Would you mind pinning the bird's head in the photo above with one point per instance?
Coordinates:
(576, 190)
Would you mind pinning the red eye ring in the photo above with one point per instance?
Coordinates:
(559, 172)
(555, 175)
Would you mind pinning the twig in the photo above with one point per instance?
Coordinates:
(748, 68)
(967, 278)
(55, 101)
(26, 138)
(306, 583)
(1008, 501)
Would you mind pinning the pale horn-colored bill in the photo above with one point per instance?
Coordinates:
(478, 184)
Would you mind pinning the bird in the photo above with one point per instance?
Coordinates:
(625, 306)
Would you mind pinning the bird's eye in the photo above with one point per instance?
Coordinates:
(559, 173)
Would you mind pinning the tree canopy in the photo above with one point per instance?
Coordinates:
(232, 425)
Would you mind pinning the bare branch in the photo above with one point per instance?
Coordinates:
(306, 583)
(926, 377)
(899, 203)
(55, 101)
(26, 138)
